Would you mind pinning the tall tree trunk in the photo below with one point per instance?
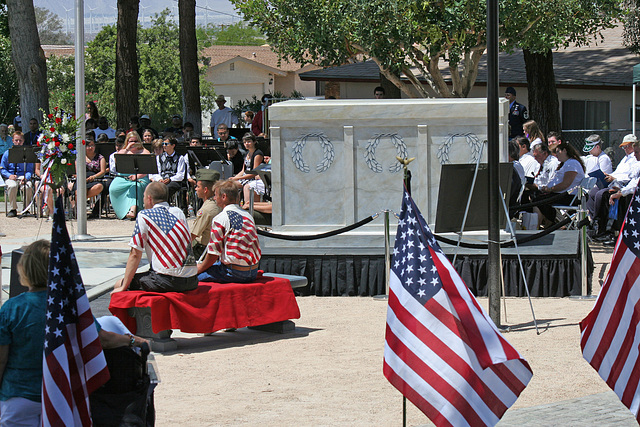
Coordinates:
(28, 58)
(543, 96)
(391, 91)
(127, 76)
(189, 64)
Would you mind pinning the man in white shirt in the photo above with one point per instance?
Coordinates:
(598, 198)
(548, 165)
(528, 162)
(597, 159)
(223, 115)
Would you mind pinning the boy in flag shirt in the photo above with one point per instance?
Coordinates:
(233, 252)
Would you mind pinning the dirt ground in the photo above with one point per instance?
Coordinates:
(329, 371)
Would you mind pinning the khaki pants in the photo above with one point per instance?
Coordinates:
(12, 192)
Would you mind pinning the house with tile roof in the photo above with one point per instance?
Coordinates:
(594, 82)
(239, 72)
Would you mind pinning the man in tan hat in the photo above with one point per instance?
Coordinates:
(223, 115)
(623, 170)
(201, 230)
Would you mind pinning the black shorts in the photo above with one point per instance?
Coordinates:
(155, 282)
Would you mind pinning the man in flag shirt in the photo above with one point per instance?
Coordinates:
(162, 231)
(442, 351)
(233, 252)
(609, 332)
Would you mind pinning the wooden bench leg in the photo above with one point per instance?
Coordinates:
(162, 341)
(276, 327)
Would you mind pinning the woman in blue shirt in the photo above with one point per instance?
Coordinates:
(22, 323)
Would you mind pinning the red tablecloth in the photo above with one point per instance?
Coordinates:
(212, 306)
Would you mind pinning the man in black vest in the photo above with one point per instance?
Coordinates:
(171, 167)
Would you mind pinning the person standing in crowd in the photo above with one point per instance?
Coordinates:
(378, 92)
(201, 231)
(257, 125)
(223, 115)
(6, 141)
(518, 113)
(31, 137)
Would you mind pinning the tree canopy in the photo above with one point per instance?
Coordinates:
(404, 36)
(50, 27)
(235, 34)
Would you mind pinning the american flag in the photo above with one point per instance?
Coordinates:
(609, 338)
(74, 364)
(442, 351)
(168, 236)
(242, 245)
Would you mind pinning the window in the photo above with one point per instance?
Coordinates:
(585, 114)
(320, 88)
(232, 66)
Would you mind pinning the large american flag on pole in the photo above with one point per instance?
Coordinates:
(74, 364)
(442, 351)
(610, 337)
(168, 236)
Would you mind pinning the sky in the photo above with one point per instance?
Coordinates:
(98, 12)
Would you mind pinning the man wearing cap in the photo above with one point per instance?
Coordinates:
(221, 115)
(176, 126)
(201, 230)
(597, 159)
(518, 113)
(145, 123)
(233, 252)
(234, 156)
(598, 198)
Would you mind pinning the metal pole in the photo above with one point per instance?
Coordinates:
(493, 160)
(387, 251)
(633, 110)
(582, 214)
(81, 173)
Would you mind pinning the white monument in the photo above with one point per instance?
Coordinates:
(334, 163)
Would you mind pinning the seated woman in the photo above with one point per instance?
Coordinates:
(123, 188)
(96, 167)
(22, 324)
(566, 181)
(252, 160)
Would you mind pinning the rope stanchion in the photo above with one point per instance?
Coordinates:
(510, 243)
(546, 201)
(319, 236)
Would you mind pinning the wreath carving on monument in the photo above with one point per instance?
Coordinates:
(472, 140)
(327, 150)
(370, 152)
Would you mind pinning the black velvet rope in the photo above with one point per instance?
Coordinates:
(318, 236)
(538, 203)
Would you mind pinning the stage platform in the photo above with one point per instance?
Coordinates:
(551, 264)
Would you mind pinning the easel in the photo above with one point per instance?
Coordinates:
(23, 154)
(136, 164)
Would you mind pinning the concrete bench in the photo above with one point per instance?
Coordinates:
(267, 304)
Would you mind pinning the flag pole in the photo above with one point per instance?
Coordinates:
(493, 161)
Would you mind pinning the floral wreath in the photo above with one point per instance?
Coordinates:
(327, 150)
(57, 144)
(370, 152)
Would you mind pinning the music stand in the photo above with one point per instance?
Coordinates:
(135, 164)
(23, 154)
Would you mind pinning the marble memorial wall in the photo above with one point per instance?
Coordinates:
(334, 161)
